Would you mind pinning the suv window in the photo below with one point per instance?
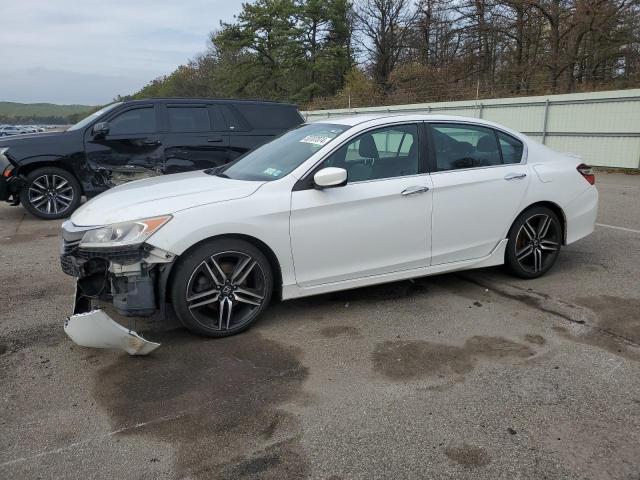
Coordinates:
(464, 146)
(384, 153)
(139, 120)
(269, 116)
(189, 119)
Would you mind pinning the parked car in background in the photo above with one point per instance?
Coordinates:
(332, 205)
(9, 130)
(49, 172)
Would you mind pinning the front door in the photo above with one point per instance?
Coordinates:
(479, 184)
(379, 222)
(131, 150)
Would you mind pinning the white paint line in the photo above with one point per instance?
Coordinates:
(86, 441)
(618, 228)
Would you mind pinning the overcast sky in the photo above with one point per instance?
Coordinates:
(89, 51)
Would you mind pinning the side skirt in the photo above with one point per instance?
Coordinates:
(496, 257)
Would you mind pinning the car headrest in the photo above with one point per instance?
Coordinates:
(367, 147)
(486, 144)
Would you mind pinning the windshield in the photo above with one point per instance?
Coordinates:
(282, 155)
(87, 120)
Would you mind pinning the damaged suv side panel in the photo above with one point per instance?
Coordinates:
(49, 173)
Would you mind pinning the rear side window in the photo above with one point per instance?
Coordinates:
(512, 148)
(269, 115)
(139, 120)
(464, 146)
(189, 119)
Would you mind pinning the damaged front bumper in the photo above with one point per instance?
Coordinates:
(132, 279)
(96, 329)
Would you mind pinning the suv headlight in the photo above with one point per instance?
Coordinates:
(3, 150)
(123, 234)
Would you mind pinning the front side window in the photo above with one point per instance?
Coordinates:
(94, 116)
(189, 119)
(282, 155)
(139, 120)
(383, 153)
(464, 146)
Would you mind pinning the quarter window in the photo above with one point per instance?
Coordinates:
(383, 153)
(512, 148)
(140, 120)
(464, 146)
(189, 119)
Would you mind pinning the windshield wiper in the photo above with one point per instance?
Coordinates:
(216, 171)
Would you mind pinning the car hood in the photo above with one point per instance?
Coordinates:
(160, 195)
(23, 147)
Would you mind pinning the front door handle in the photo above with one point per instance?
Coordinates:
(414, 190)
(214, 140)
(515, 176)
(151, 142)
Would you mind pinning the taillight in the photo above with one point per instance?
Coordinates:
(587, 172)
(8, 171)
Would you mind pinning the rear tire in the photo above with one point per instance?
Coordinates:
(50, 193)
(535, 239)
(221, 287)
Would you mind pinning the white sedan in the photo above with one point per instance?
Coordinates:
(332, 205)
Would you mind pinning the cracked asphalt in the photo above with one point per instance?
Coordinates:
(470, 375)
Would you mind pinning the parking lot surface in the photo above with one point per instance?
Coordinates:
(470, 375)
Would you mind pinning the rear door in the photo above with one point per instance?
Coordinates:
(131, 150)
(194, 138)
(479, 183)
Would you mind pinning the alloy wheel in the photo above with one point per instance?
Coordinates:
(51, 194)
(226, 290)
(537, 243)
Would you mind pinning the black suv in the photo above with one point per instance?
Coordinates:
(49, 172)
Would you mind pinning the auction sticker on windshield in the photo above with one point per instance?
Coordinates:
(316, 140)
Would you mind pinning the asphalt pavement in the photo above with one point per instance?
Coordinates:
(469, 375)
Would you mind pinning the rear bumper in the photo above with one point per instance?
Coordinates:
(581, 215)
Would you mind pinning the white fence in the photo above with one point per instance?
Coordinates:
(603, 127)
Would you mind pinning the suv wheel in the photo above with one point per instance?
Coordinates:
(221, 287)
(50, 193)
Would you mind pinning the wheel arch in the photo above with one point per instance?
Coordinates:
(256, 242)
(42, 162)
(555, 208)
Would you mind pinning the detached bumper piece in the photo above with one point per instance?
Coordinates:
(96, 329)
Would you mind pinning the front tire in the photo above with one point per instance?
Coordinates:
(221, 287)
(50, 193)
(534, 243)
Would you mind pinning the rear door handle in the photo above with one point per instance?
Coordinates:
(151, 142)
(515, 176)
(414, 190)
(214, 140)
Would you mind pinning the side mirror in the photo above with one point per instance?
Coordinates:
(330, 177)
(100, 128)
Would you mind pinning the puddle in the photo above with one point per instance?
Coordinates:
(221, 398)
(469, 456)
(406, 360)
(339, 331)
(535, 339)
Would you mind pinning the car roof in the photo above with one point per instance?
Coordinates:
(206, 100)
(353, 120)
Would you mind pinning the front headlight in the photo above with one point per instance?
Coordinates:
(3, 150)
(123, 234)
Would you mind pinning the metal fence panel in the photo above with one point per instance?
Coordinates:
(603, 127)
